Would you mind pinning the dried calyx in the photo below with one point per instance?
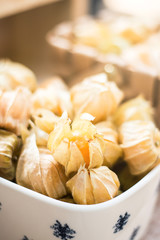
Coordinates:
(53, 95)
(135, 109)
(14, 74)
(112, 151)
(90, 186)
(79, 143)
(10, 146)
(38, 170)
(141, 145)
(98, 93)
(41, 136)
(14, 109)
(75, 143)
(45, 119)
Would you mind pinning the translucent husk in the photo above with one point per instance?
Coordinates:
(75, 144)
(8, 173)
(135, 109)
(9, 147)
(14, 74)
(14, 109)
(91, 186)
(45, 119)
(141, 145)
(41, 136)
(100, 97)
(80, 142)
(7, 82)
(54, 96)
(38, 170)
(109, 144)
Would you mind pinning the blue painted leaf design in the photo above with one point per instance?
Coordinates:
(135, 232)
(121, 222)
(63, 232)
(26, 238)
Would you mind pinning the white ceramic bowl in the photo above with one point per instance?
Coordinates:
(27, 215)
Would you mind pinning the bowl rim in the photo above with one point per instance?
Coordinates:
(82, 208)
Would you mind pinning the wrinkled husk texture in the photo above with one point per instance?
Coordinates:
(14, 74)
(100, 97)
(90, 186)
(38, 170)
(141, 145)
(79, 143)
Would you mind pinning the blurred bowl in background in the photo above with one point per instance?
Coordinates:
(140, 8)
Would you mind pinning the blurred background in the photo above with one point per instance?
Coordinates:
(24, 25)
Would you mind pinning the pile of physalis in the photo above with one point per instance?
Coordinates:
(79, 145)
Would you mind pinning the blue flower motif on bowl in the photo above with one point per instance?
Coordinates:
(121, 222)
(63, 232)
(134, 233)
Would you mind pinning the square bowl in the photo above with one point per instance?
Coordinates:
(27, 215)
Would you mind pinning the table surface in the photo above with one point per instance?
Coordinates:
(9, 7)
(153, 232)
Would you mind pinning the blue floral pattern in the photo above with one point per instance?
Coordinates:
(135, 232)
(25, 238)
(121, 222)
(62, 232)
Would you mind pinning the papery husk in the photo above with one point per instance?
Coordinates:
(14, 109)
(108, 130)
(45, 119)
(41, 136)
(141, 145)
(91, 186)
(7, 82)
(38, 170)
(14, 74)
(8, 173)
(97, 96)
(75, 144)
(9, 149)
(109, 143)
(135, 109)
(53, 95)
